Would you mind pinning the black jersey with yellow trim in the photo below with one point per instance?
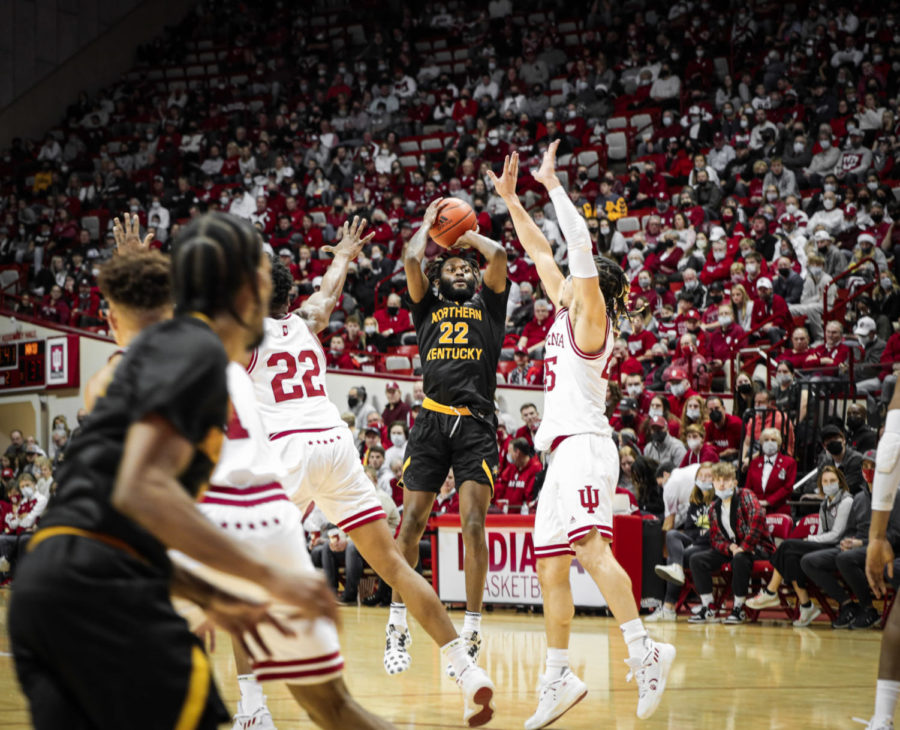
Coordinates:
(459, 345)
(174, 369)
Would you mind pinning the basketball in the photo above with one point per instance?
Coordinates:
(454, 217)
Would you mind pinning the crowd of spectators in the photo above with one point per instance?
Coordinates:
(739, 162)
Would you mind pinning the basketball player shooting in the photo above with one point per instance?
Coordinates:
(460, 331)
(306, 429)
(574, 514)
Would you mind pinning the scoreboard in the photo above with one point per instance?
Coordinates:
(38, 364)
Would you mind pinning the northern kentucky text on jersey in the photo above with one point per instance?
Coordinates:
(454, 353)
(456, 311)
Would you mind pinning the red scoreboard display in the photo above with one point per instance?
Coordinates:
(39, 363)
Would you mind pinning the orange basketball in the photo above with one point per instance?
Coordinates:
(454, 217)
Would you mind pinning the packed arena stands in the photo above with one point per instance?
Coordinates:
(740, 164)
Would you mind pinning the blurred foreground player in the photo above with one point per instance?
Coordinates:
(574, 514)
(92, 599)
(306, 429)
(460, 328)
(880, 558)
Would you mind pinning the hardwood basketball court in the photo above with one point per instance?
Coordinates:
(766, 675)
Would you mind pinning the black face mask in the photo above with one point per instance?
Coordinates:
(582, 176)
(715, 298)
(658, 360)
(854, 422)
(352, 402)
(835, 447)
(392, 311)
(745, 389)
(661, 289)
(715, 416)
(877, 217)
(658, 436)
(784, 273)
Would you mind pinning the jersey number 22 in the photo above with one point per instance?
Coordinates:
(307, 388)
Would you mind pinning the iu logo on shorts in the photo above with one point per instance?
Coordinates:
(590, 498)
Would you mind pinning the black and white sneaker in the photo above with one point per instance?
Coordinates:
(706, 615)
(847, 613)
(866, 618)
(737, 616)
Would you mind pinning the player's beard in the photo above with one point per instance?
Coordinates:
(448, 291)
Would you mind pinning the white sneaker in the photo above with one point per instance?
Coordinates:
(473, 649)
(661, 614)
(875, 724)
(478, 694)
(673, 573)
(259, 720)
(651, 673)
(807, 615)
(763, 600)
(557, 698)
(396, 649)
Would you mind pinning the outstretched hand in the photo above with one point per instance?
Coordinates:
(879, 555)
(431, 213)
(505, 185)
(546, 173)
(128, 237)
(241, 619)
(352, 240)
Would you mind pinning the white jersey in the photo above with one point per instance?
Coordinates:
(574, 386)
(288, 372)
(247, 459)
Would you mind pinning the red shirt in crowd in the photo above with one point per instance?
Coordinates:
(393, 324)
(517, 485)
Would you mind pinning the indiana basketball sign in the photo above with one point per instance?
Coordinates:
(511, 578)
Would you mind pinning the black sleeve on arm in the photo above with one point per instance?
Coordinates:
(421, 308)
(495, 303)
(182, 379)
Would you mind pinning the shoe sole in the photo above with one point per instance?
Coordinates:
(578, 699)
(803, 624)
(667, 577)
(483, 697)
(664, 676)
(760, 606)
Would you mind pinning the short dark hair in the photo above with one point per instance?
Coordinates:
(282, 282)
(212, 258)
(402, 424)
(377, 449)
(141, 280)
(523, 446)
(527, 405)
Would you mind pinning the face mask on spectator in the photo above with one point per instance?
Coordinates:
(658, 435)
(770, 448)
(704, 486)
(644, 283)
(392, 311)
(371, 329)
(725, 493)
(693, 413)
(604, 230)
(667, 121)
(398, 439)
(825, 143)
(635, 390)
(725, 321)
(719, 255)
(752, 268)
(656, 412)
(831, 489)
(790, 208)
(835, 447)
(886, 282)
(744, 123)
(799, 147)
(692, 284)
(828, 204)
(634, 263)
(694, 443)
(678, 389)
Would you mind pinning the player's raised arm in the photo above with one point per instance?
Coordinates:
(128, 237)
(494, 254)
(318, 308)
(532, 238)
(414, 254)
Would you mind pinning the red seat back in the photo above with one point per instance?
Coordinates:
(809, 525)
(780, 526)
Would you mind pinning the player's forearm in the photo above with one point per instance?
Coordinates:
(530, 235)
(333, 280)
(414, 253)
(185, 584)
(878, 525)
(491, 250)
(159, 504)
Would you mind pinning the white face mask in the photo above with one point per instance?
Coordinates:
(635, 390)
(752, 268)
(704, 486)
(694, 443)
(886, 283)
(718, 255)
(799, 147)
(872, 185)
(656, 412)
(815, 270)
(771, 197)
(831, 489)
(371, 329)
(784, 379)
(790, 208)
(770, 448)
(828, 204)
(27, 492)
(725, 321)
(678, 389)
(724, 494)
(634, 263)
(825, 143)
(692, 284)
(398, 439)
(693, 413)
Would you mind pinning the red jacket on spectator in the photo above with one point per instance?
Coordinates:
(641, 343)
(535, 332)
(630, 366)
(749, 523)
(312, 237)
(780, 485)
(397, 324)
(343, 361)
(464, 108)
(526, 433)
(890, 355)
(716, 270)
(723, 344)
(399, 412)
(777, 308)
(519, 271)
(799, 360)
(517, 485)
(706, 453)
(839, 354)
(725, 435)
(443, 505)
(54, 311)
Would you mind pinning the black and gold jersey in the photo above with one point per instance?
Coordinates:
(459, 344)
(174, 369)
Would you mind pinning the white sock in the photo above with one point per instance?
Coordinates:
(706, 599)
(397, 616)
(636, 638)
(557, 662)
(251, 693)
(456, 654)
(472, 622)
(739, 601)
(886, 693)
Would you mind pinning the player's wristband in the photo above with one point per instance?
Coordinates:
(887, 465)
